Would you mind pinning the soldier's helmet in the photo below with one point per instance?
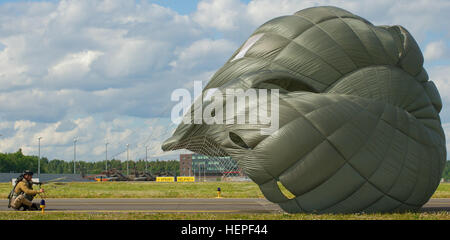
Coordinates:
(28, 172)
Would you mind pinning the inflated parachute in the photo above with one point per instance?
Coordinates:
(359, 127)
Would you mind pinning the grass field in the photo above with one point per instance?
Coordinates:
(162, 190)
(146, 190)
(443, 191)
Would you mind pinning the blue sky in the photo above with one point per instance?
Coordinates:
(104, 70)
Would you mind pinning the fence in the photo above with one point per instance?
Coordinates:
(6, 177)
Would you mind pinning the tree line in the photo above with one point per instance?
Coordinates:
(18, 162)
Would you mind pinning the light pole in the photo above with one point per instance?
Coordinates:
(106, 155)
(39, 157)
(203, 171)
(74, 153)
(128, 159)
(146, 150)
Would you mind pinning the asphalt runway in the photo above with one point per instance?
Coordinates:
(182, 205)
(158, 205)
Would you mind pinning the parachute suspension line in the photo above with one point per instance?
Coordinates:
(227, 166)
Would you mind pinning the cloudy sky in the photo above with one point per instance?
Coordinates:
(104, 70)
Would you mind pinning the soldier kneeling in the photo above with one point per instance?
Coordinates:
(23, 193)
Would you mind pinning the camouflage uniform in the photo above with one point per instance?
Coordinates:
(23, 194)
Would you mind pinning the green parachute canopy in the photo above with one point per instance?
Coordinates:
(359, 127)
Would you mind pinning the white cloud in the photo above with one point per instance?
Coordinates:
(221, 14)
(435, 51)
(91, 134)
(66, 125)
(202, 53)
(261, 11)
(74, 66)
(440, 75)
(13, 73)
(420, 17)
(134, 57)
(88, 44)
(23, 125)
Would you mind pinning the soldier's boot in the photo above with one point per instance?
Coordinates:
(35, 207)
(17, 209)
(25, 208)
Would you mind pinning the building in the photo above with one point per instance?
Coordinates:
(186, 165)
(206, 166)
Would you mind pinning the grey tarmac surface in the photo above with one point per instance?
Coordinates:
(182, 205)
